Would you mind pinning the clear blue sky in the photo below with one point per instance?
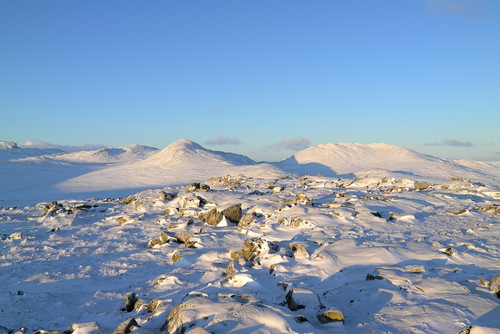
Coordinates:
(261, 78)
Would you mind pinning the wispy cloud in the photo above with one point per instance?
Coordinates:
(292, 144)
(452, 142)
(497, 153)
(218, 111)
(223, 141)
(471, 9)
(68, 148)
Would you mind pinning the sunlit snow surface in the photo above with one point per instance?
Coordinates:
(395, 256)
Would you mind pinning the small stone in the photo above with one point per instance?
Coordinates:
(130, 302)
(448, 251)
(246, 220)
(128, 326)
(176, 256)
(230, 269)
(300, 319)
(421, 185)
(495, 285)
(456, 213)
(16, 236)
(371, 277)
(166, 196)
(331, 315)
(299, 250)
(121, 220)
(154, 305)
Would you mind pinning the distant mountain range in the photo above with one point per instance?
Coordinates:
(183, 161)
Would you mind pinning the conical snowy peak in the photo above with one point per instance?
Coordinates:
(186, 152)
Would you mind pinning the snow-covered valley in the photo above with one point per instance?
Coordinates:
(383, 240)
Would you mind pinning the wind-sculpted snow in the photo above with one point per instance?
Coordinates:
(237, 254)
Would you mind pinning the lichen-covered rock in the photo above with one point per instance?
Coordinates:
(252, 248)
(495, 285)
(176, 256)
(232, 213)
(130, 302)
(166, 196)
(299, 250)
(246, 220)
(457, 212)
(185, 238)
(128, 326)
(298, 298)
(212, 217)
(448, 251)
(421, 185)
(197, 187)
(493, 209)
(230, 269)
(154, 305)
(53, 207)
(332, 315)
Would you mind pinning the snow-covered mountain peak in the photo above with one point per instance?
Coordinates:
(8, 145)
(356, 158)
(356, 153)
(187, 152)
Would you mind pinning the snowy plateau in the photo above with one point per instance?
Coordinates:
(338, 238)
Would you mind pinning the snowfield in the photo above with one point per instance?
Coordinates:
(384, 240)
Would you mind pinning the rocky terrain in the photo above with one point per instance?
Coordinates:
(240, 254)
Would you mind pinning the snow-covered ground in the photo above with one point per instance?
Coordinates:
(385, 240)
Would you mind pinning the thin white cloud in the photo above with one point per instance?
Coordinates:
(471, 9)
(68, 148)
(218, 111)
(452, 142)
(292, 144)
(223, 141)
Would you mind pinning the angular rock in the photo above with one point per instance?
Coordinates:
(184, 238)
(166, 196)
(246, 220)
(212, 218)
(128, 326)
(299, 250)
(231, 212)
(448, 251)
(197, 187)
(230, 269)
(421, 185)
(493, 209)
(16, 236)
(53, 207)
(331, 315)
(130, 302)
(252, 248)
(176, 256)
(154, 305)
(495, 285)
